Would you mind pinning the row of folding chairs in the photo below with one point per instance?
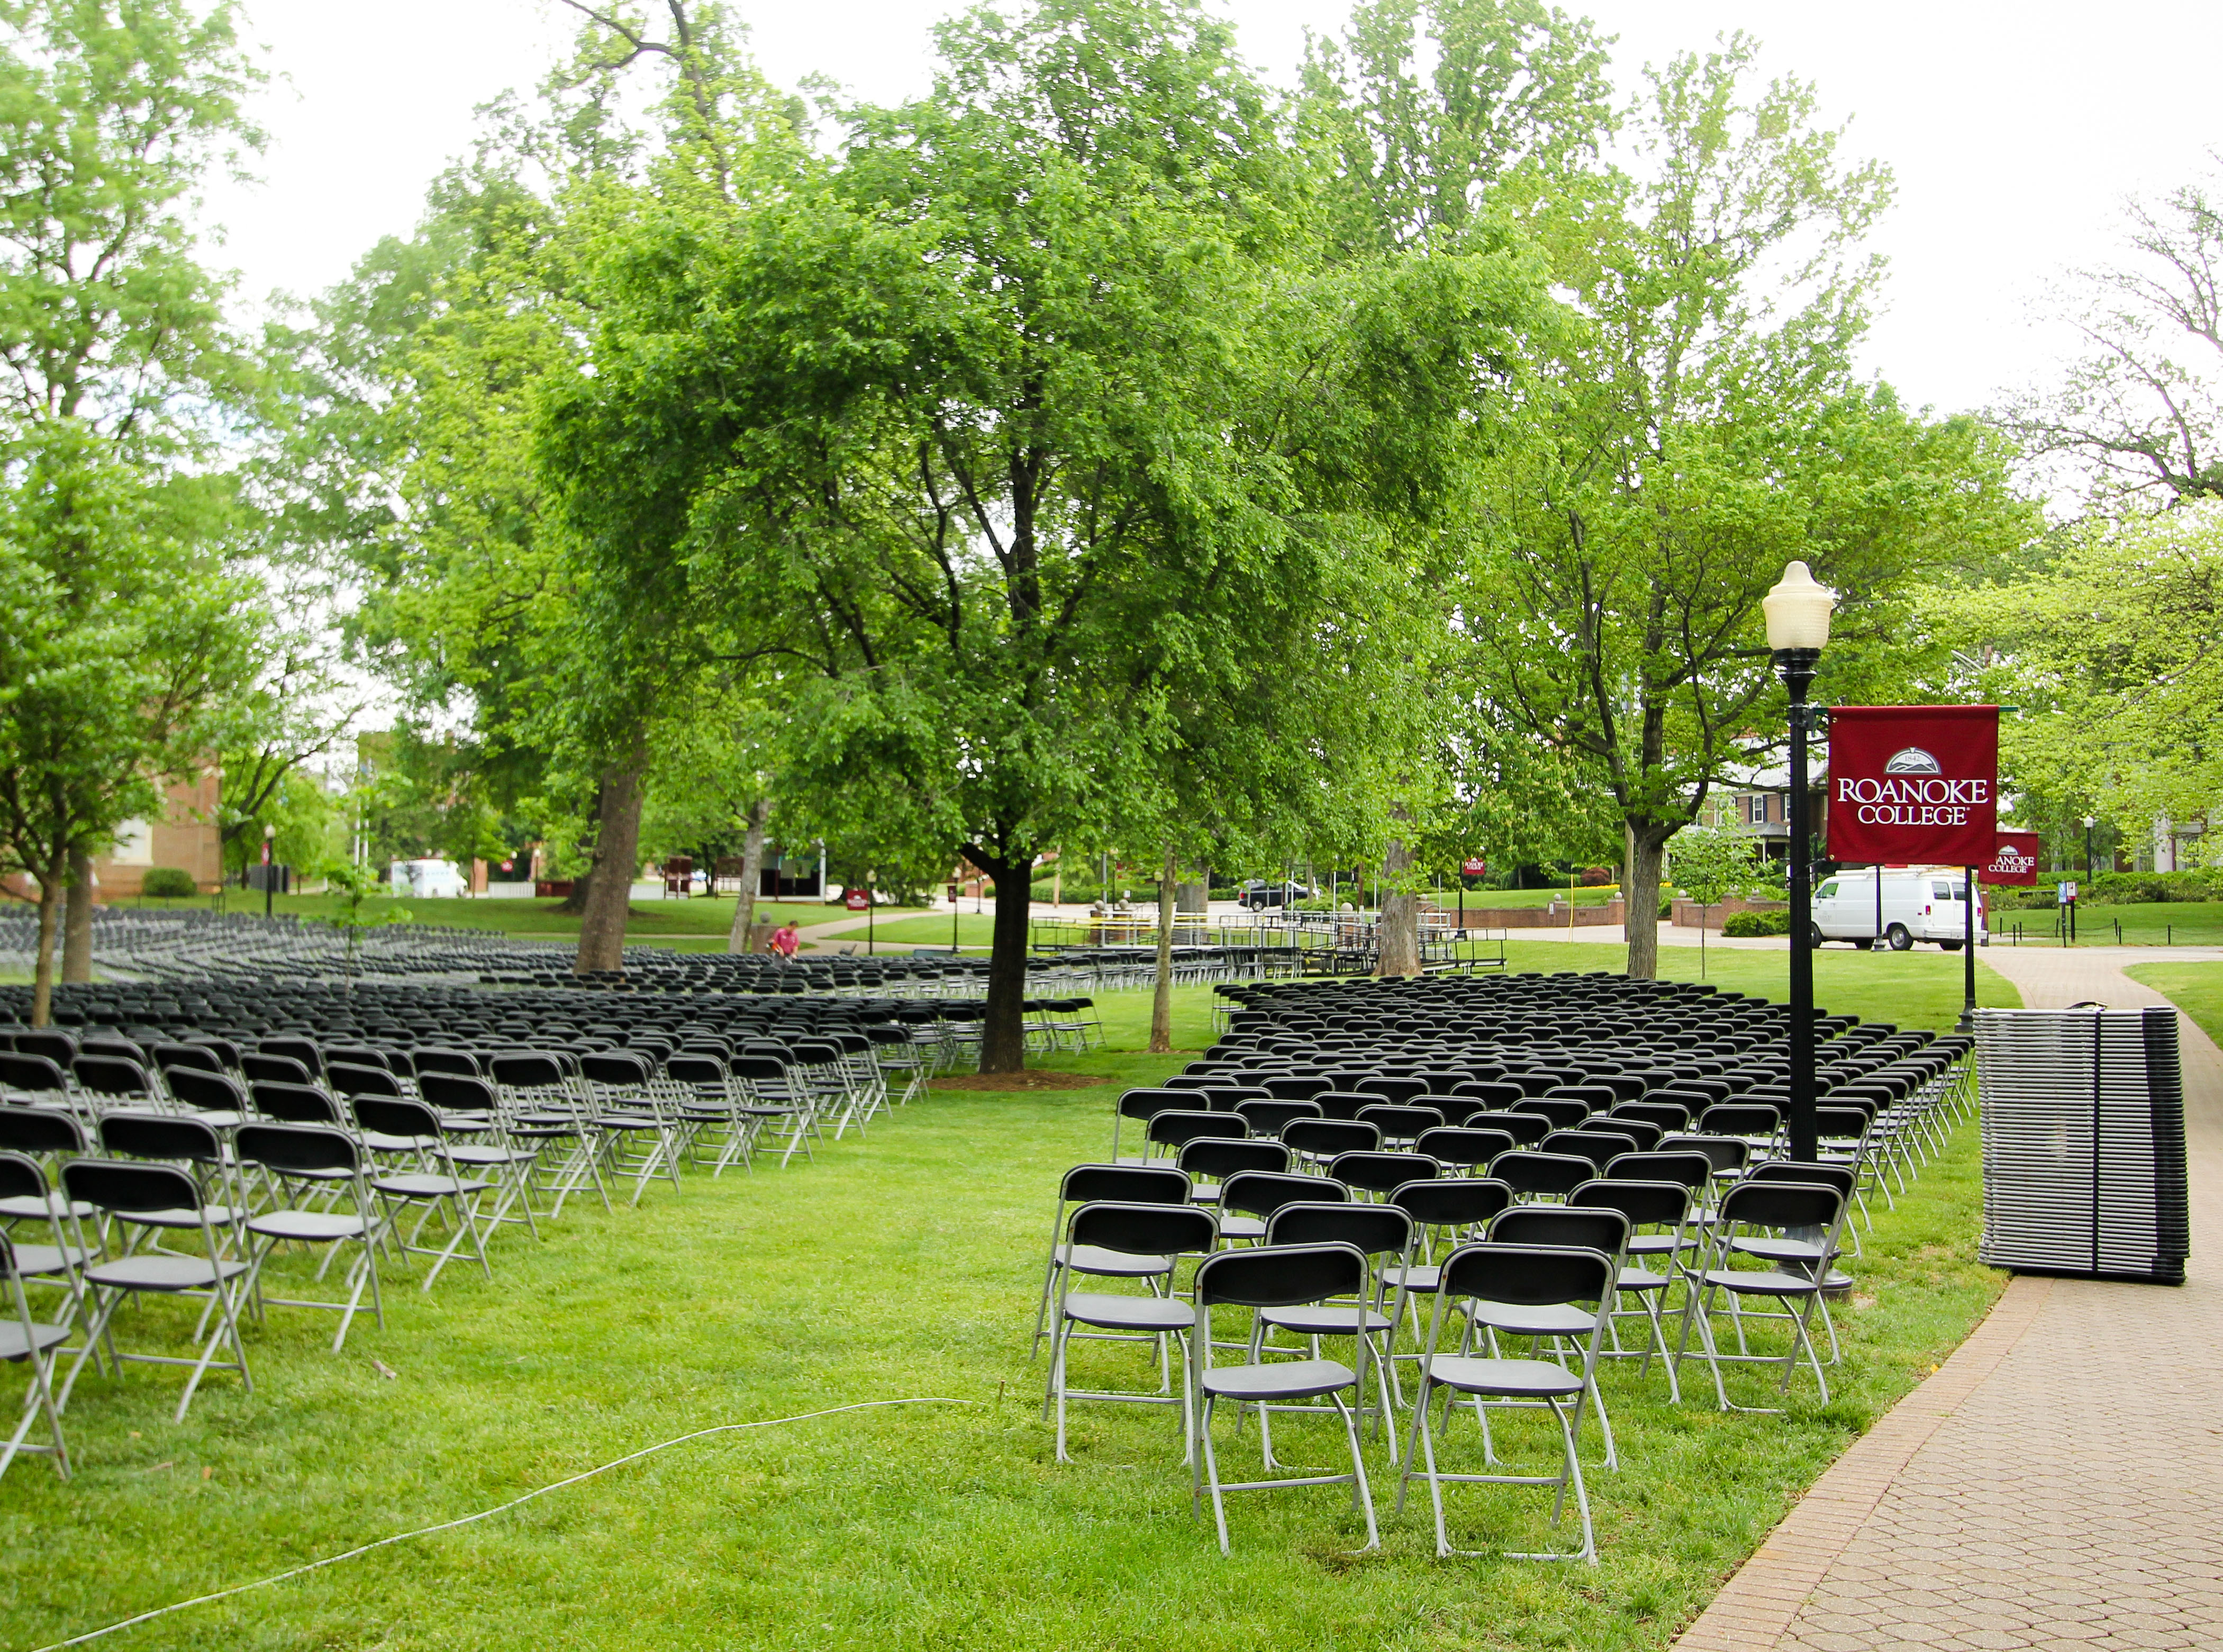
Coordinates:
(1640, 1229)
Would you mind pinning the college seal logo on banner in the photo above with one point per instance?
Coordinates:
(2015, 861)
(1911, 784)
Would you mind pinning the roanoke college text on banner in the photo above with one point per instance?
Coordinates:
(2014, 861)
(1914, 784)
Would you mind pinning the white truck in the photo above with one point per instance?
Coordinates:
(435, 880)
(1923, 904)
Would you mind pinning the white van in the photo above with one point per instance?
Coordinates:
(1920, 904)
(435, 880)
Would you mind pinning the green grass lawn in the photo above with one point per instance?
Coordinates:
(903, 1265)
(2195, 988)
(2147, 924)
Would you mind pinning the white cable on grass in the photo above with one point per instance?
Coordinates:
(448, 1525)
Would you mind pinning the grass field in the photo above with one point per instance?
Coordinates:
(2195, 988)
(902, 1265)
(2148, 924)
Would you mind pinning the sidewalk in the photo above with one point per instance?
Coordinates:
(2059, 1482)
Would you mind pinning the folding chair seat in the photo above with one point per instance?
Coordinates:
(1658, 1213)
(1532, 1174)
(478, 1143)
(1316, 1141)
(1384, 1234)
(327, 1160)
(1600, 1146)
(439, 1182)
(1151, 1237)
(1401, 1126)
(1381, 1173)
(642, 1135)
(1248, 1198)
(1220, 1156)
(1763, 1213)
(32, 1342)
(1276, 1278)
(140, 1193)
(27, 1196)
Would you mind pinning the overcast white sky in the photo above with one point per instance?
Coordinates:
(2014, 130)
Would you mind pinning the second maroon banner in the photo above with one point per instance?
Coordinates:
(2015, 861)
(1911, 784)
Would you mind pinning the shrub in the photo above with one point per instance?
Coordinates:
(1745, 925)
(2138, 888)
(1667, 907)
(169, 883)
(1593, 877)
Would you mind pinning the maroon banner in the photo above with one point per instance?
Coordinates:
(1914, 783)
(2015, 860)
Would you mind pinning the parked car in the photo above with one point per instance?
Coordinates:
(1258, 896)
(1917, 905)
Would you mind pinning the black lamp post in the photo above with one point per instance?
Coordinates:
(2091, 861)
(269, 872)
(1797, 612)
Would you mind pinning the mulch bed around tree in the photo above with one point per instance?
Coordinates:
(1027, 1080)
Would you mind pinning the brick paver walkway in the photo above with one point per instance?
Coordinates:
(2059, 1482)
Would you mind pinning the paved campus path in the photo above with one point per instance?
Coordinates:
(2059, 1482)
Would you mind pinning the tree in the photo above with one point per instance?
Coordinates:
(1699, 426)
(898, 420)
(2141, 411)
(1711, 864)
(116, 378)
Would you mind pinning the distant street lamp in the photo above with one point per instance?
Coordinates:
(269, 880)
(1797, 612)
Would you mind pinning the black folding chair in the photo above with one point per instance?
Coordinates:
(327, 1160)
(32, 1341)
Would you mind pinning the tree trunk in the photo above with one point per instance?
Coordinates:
(77, 920)
(1161, 1000)
(1399, 933)
(583, 887)
(601, 928)
(1641, 903)
(42, 976)
(752, 846)
(1003, 1035)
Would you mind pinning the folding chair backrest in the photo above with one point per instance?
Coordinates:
(1397, 1120)
(1528, 1275)
(172, 1058)
(1668, 1115)
(621, 1067)
(1177, 1129)
(111, 1185)
(1534, 1174)
(1377, 1230)
(1841, 1124)
(351, 1081)
(455, 1092)
(21, 1177)
(1595, 1098)
(1294, 1087)
(210, 1092)
(1144, 1229)
(447, 1061)
(33, 1075)
(1281, 1276)
(295, 1104)
(1379, 1172)
(146, 1135)
(522, 1070)
(1692, 1170)
(1782, 1204)
(1599, 1146)
(1326, 1137)
(260, 1069)
(1646, 1204)
(298, 1147)
(756, 1069)
(1395, 1090)
(1458, 1145)
(1345, 1104)
(112, 1075)
(1261, 1193)
(1134, 1184)
(355, 1056)
(1565, 1114)
(1495, 1094)
(1840, 1177)
(303, 1050)
(1270, 1117)
(1452, 1201)
(1740, 1118)
(60, 1047)
(390, 1116)
(1222, 1156)
(1725, 1153)
(1593, 1229)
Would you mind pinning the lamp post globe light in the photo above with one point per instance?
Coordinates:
(1798, 614)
